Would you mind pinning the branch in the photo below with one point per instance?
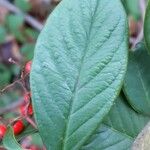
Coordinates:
(29, 19)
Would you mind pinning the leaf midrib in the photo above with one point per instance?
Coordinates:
(77, 81)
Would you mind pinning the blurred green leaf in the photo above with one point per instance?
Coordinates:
(24, 5)
(4, 75)
(15, 70)
(27, 50)
(15, 24)
(10, 142)
(2, 34)
(36, 140)
(31, 34)
(132, 8)
(9, 97)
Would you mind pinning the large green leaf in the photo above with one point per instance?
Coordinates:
(147, 26)
(10, 142)
(78, 68)
(119, 129)
(137, 80)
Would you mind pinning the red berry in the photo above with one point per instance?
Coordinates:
(30, 110)
(28, 67)
(18, 127)
(33, 147)
(23, 110)
(3, 129)
(27, 97)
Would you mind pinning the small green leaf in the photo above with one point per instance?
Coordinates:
(2, 34)
(15, 24)
(147, 26)
(24, 5)
(10, 142)
(78, 69)
(27, 50)
(119, 129)
(31, 34)
(137, 80)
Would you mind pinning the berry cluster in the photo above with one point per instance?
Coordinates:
(25, 110)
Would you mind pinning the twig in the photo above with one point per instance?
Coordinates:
(31, 122)
(139, 37)
(11, 107)
(19, 81)
(29, 19)
(10, 85)
(13, 61)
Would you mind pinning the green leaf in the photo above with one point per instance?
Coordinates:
(147, 26)
(24, 5)
(5, 75)
(119, 129)
(36, 140)
(137, 80)
(15, 24)
(78, 69)
(10, 142)
(132, 8)
(2, 34)
(31, 34)
(27, 50)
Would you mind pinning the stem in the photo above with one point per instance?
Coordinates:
(31, 122)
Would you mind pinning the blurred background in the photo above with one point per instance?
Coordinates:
(20, 24)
